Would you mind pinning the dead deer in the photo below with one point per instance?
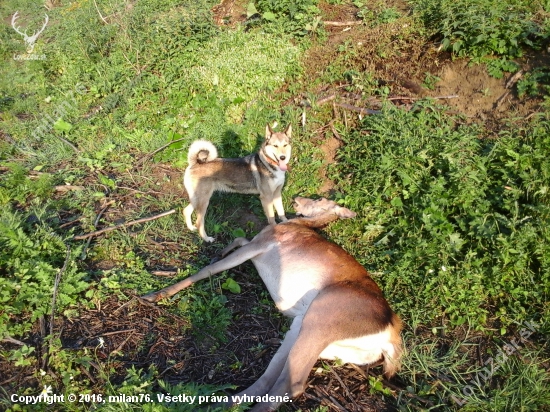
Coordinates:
(338, 311)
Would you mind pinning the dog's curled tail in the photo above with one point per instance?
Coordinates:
(201, 151)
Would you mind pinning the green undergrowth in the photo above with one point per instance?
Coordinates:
(451, 222)
(484, 28)
(451, 214)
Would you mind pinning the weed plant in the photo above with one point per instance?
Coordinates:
(478, 29)
(455, 217)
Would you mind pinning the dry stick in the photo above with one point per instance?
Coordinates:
(117, 332)
(66, 188)
(357, 109)
(122, 344)
(87, 245)
(148, 156)
(342, 23)
(451, 96)
(344, 386)
(69, 143)
(12, 340)
(133, 222)
(514, 79)
(54, 297)
(167, 273)
(56, 286)
(334, 131)
(326, 99)
(100, 15)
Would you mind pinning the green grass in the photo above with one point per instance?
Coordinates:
(452, 220)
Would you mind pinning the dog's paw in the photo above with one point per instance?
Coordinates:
(192, 228)
(208, 239)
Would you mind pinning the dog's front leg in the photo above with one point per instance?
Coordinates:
(267, 204)
(278, 202)
(246, 252)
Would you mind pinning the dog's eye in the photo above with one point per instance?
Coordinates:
(276, 146)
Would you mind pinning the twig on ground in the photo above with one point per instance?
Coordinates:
(326, 99)
(66, 188)
(160, 149)
(122, 344)
(12, 340)
(133, 222)
(54, 297)
(167, 273)
(68, 143)
(514, 79)
(56, 287)
(501, 99)
(334, 131)
(451, 96)
(343, 23)
(344, 386)
(83, 254)
(359, 110)
(100, 15)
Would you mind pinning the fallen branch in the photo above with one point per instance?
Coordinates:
(68, 143)
(66, 188)
(326, 99)
(133, 222)
(167, 273)
(100, 15)
(56, 287)
(96, 222)
(514, 79)
(160, 149)
(12, 340)
(343, 23)
(54, 297)
(357, 109)
(451, 96)
(335, 132)
(344, 386)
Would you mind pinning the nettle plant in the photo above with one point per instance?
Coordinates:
(472, 28)
(455, 224)
(31, 255)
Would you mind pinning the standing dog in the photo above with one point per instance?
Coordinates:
(260, 173)
(338, 310)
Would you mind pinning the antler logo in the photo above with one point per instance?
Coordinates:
(30, 40)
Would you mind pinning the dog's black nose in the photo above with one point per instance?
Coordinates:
(283, 157)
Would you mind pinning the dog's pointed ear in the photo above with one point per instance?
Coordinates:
(288, 131)
(268, 131)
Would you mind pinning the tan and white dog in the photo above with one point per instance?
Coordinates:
(338, 311)
(260, 173)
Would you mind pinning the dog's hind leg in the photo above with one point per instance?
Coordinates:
(188, 212)
(200, 204)
(336, 314)
(241, 255)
